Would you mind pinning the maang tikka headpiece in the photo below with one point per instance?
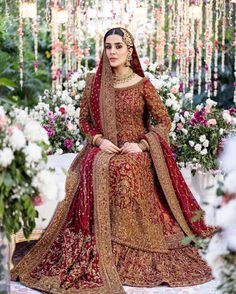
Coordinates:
(127, 38)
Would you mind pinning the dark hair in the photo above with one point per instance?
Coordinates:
(114, 31)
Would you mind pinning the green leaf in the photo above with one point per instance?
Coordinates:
(8, 181)
(8, 83)
(1, 207)
(187, 240)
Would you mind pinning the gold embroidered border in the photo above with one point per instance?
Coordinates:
(107, 102)
(165, 181)
(102, 224)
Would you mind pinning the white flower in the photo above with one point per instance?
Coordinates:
(58, 87)
(186, 114)
(202, 138)
(176, 117)
(172, 96)
(204, 151)
(189, 96)
(199, 107)
(230, 237)
(21, 116)
(191, 143)
(230, 182)
(221, 131)
(80, 147)
(17, 139)
(144, 66)
(174, 80)
(77, 112)
(173, 126)
(168, 102)
(74, 77)
(81, 85)
(184, 131)
(217, 247)
(59, 151)
(158, 84)
(175, 105)
(2, 111)
(198, 147)
(205, 143)
(182, 119)
(173, 135)
(211, 102)
(70, 109)
(226, 116)
(34, 132)
(150, 76)
(165, 77)
(153, 66)
(33, 152)
(225, 215)
(46, 182)
(6, 157)
(228, 158)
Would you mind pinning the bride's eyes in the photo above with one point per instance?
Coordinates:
(117, 47)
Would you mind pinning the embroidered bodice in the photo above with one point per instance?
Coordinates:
(133, 105)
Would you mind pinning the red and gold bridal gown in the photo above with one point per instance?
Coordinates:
(135, 239)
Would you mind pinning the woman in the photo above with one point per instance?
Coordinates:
(127, 207)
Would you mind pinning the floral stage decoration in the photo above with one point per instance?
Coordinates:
(197, 136)
(25, 180)
(58, 113)
(220, 251)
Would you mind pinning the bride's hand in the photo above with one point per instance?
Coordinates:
(130, 148)
(109, 147)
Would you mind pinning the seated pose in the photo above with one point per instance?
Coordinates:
(127, 206)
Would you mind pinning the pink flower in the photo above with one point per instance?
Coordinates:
(207, 109)
(71, 126)
(37, 200)
(211, 122)
(146, 61)
(179, 126)
(174, 90)
(3, 120)
(68, 143)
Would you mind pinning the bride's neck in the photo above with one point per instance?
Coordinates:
(120, 70)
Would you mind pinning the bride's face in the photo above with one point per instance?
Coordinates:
(116, 50)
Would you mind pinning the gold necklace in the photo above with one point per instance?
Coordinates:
(125, 78)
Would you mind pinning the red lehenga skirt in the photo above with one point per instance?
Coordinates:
(115, 227)
(141, 222)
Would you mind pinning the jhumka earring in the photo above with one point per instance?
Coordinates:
(127, 63)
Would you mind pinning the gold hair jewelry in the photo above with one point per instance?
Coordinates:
(127, 38)
(125, 78)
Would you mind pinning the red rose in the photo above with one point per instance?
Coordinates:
(62, 110)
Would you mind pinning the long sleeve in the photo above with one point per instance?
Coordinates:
(85, 122)
(158, 111)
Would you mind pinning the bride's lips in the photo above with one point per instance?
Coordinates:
(113, 59)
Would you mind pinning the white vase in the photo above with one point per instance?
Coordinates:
(4, 262)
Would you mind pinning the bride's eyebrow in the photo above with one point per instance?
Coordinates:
(119, 43)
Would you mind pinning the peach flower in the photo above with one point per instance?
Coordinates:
(211, 122)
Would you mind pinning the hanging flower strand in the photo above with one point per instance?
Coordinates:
(21, 48)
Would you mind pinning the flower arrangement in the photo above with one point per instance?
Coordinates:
(220, 252)
(58, 113)
(198, 135)
(24, 176)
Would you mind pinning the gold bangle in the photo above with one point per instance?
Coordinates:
(145, 143)
(96, 139)
(142, 146)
